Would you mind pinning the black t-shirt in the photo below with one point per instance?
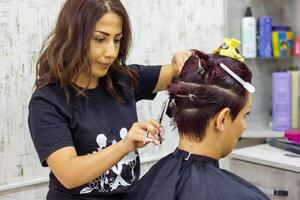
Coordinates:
(89, 124)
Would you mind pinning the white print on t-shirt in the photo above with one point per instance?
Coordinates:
(106, 183)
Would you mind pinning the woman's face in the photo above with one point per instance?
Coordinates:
(104, 47)
(234, 130)
(105, 43)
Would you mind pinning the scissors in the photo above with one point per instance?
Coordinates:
(160, 117)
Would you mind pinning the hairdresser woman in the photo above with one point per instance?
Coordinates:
(82, 114)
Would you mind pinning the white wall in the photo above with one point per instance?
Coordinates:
(160, 28)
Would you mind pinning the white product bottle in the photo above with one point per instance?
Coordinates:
(249, 35)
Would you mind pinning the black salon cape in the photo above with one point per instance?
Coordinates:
(183, 177)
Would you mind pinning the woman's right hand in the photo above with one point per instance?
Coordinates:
(69, 168)
(141, 134)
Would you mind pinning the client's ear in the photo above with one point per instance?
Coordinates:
(220, 119)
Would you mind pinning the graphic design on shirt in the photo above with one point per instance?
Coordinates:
(112, 179)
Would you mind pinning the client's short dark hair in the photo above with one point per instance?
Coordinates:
(202, 89)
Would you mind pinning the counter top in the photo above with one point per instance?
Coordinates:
(264, 133)
(265, 154)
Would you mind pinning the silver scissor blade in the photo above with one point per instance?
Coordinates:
(160, 117)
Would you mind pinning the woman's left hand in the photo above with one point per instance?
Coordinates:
(171, 70)
(178, 61)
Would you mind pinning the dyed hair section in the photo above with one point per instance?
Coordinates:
(65, 53)
(203, 89)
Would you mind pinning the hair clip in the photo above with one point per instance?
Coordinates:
(170, 107)
(172, 103)
(190, 96)
(248, 86)
(229, 49)
(200, 68)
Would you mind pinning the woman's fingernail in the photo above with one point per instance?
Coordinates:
(148, 140)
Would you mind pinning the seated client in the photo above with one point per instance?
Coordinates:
(208, 103)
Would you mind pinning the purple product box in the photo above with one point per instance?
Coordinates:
(281, 101)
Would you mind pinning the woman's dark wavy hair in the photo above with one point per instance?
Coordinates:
(65, 53)
(210, 88)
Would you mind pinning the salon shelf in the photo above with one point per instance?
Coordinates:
(264, 133)
(272, 58)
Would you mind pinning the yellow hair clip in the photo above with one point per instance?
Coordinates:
(229, 49)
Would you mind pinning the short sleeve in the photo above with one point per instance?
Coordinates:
(147, 79)
(48, 127)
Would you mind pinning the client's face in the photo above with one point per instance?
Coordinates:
(236, 128)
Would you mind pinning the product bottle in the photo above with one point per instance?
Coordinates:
(249, 35)
(281, 101)
(295, 96)
(297, 46)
